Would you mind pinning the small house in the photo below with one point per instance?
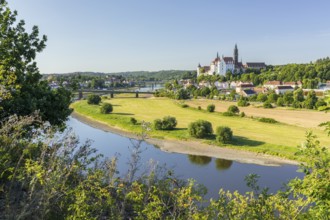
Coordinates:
(283, 89)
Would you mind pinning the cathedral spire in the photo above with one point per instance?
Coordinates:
(235, 56)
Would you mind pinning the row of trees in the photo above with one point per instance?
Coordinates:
(295, 99)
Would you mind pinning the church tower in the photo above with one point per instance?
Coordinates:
(236, 56)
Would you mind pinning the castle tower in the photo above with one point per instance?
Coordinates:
(236, 56)
(198, 69)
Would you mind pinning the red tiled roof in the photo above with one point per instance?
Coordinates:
(228, 59)
(289, 83)
(206, 68)
(274, 83)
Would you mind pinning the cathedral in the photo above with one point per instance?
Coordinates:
(220, 66)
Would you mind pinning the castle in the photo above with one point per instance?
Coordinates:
(220, 66)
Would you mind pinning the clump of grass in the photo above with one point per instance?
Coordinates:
(229, 114)
(133, 121)
(268, 120)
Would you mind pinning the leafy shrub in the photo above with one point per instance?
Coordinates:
(224, 134)
(253, 98)
(296, 104)
(243, 102)
(106, 108)
(93, 99)
(268, 120)
(168, 123)
(280, 102)
(210, 108)
(133, 121)
(199, 108)
(272, 97)
(184, 106)
(200, 128)
(158, 124)
(182, 94)
(261, 97)
(320, 103)
(242, 114)
(233, 109)
(323, 108)
(267, 104)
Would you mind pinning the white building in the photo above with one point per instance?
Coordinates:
(213, 69)
(226, 64)
(283, 89)
(220, 66)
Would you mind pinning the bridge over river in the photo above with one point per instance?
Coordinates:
(111, 93)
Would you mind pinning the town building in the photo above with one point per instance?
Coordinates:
(244, 86)
(283, 89)
(271, 85)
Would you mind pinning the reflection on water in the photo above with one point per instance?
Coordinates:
(199, 160)
(223, 164)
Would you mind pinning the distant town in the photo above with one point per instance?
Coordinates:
(225, 74)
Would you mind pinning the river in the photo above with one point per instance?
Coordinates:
(213, 173)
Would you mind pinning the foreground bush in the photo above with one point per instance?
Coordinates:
(168, 123)
(210, 108)
(93, 99)
(106, 108)
(44, 176)
(200, 129)
(224, 134)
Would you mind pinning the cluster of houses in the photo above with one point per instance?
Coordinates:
(247, 89)
(221, 65)
(108, 82)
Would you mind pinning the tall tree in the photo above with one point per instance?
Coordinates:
(22, 91)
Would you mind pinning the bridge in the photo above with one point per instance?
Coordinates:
(112, 92)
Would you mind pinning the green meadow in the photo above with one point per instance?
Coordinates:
(249, 134)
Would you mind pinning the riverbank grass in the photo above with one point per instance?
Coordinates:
(249, 134)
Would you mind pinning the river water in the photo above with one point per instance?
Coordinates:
(213, 173)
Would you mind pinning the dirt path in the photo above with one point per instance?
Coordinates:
(195, 147)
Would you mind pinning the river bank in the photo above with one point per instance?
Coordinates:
(194, 147)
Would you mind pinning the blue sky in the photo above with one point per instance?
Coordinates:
(131, 35)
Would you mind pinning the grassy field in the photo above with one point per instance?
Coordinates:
(249, 134)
